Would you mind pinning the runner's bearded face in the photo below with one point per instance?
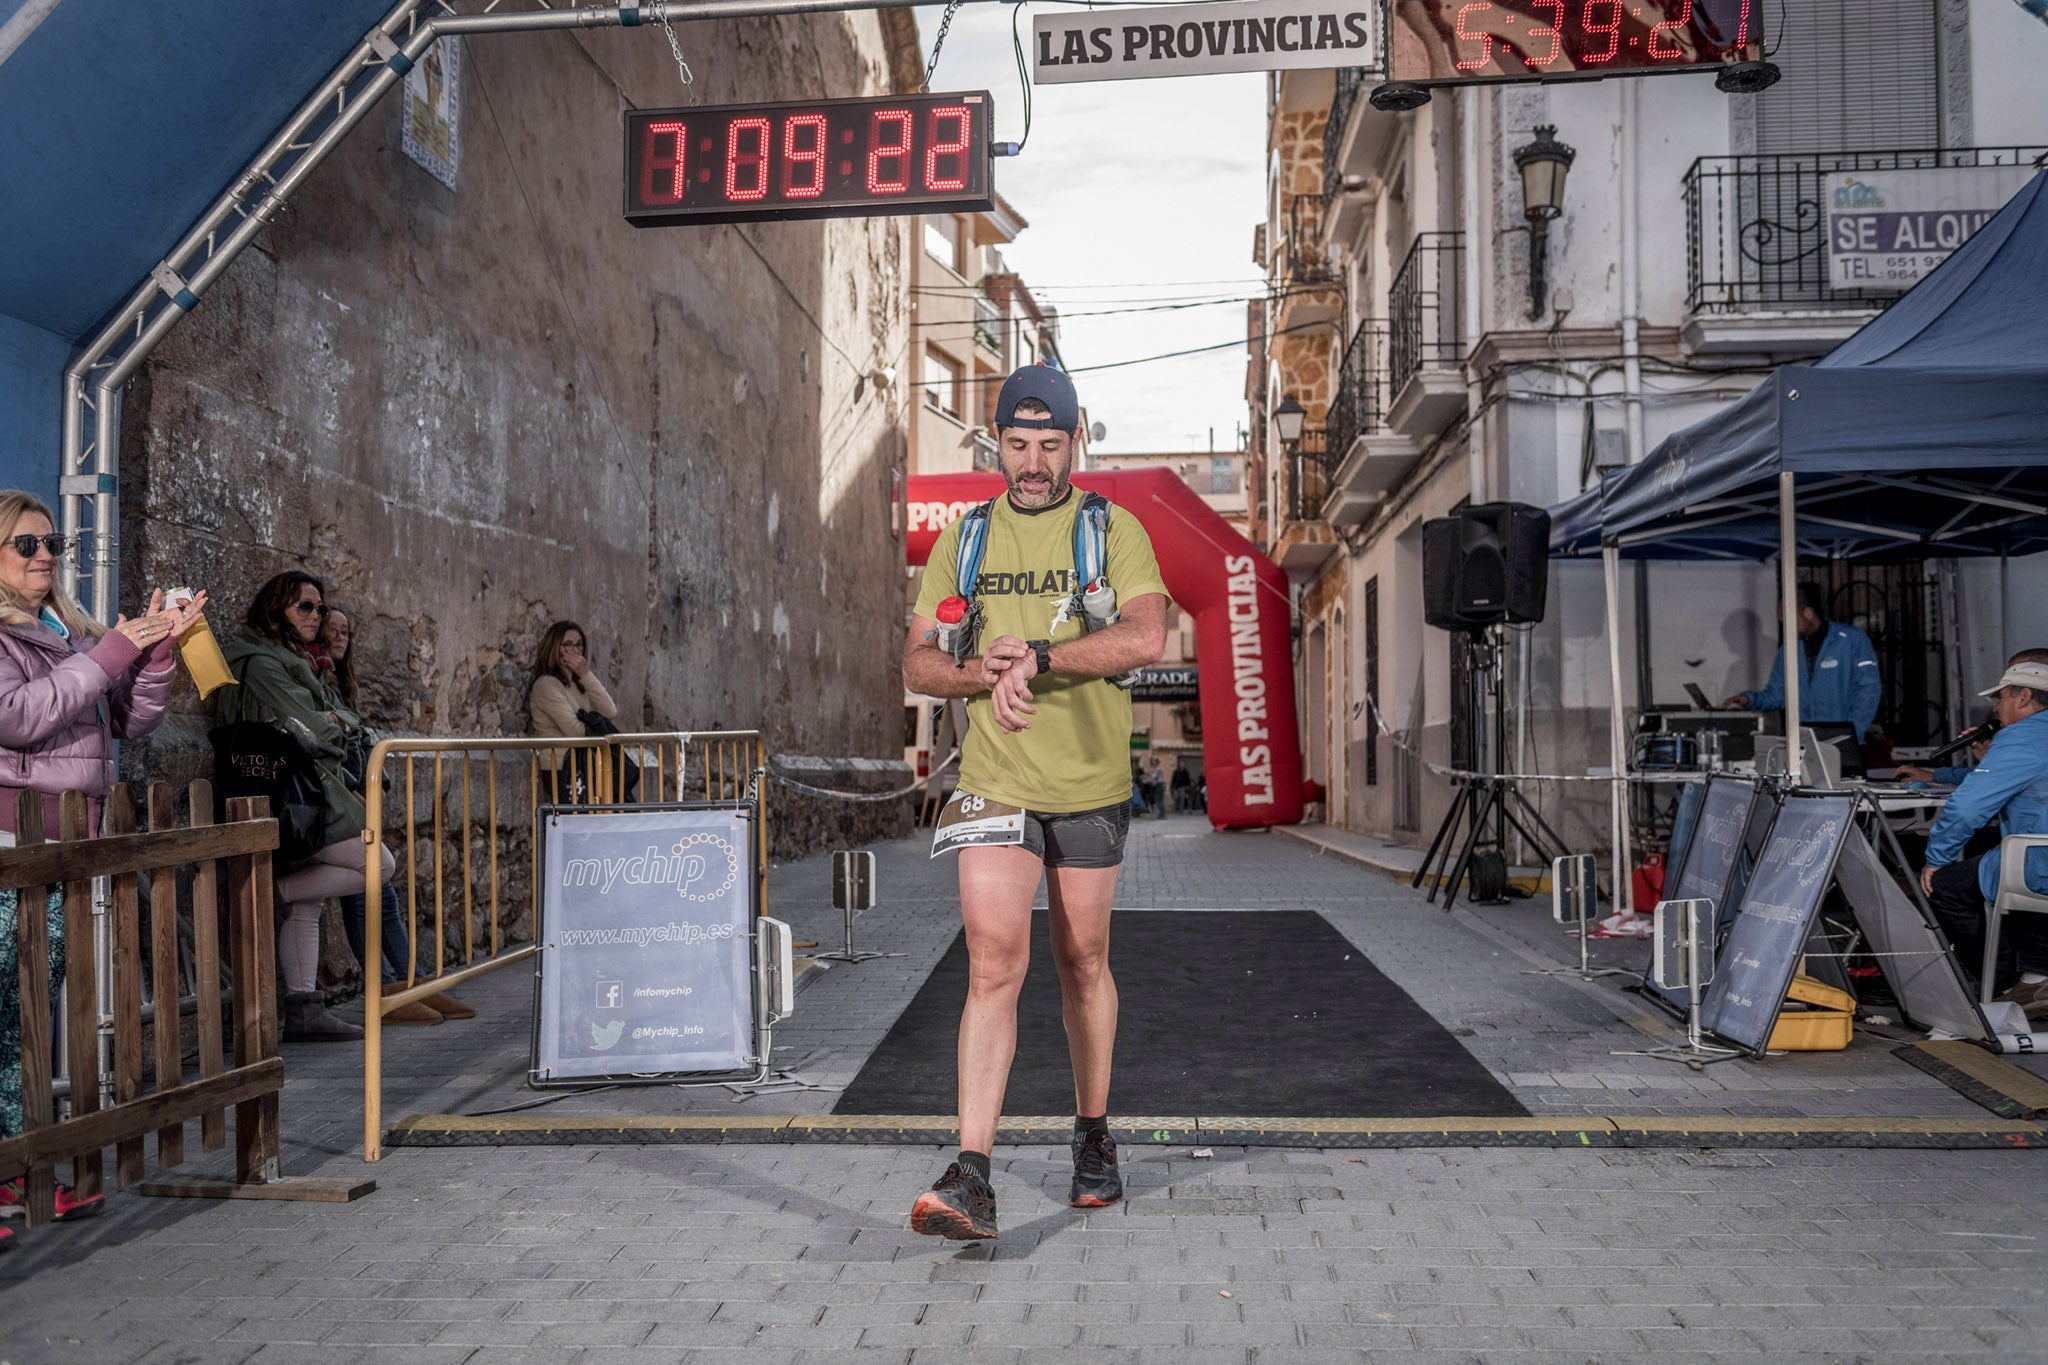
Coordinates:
(1036, 465)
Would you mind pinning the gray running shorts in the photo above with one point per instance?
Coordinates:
(1078, 838)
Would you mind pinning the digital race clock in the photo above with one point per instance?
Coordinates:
(848, 158)
(1445, 41)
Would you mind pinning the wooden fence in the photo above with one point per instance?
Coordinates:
(233, 857)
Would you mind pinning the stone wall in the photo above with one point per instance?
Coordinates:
(475, 412)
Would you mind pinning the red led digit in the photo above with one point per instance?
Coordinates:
(1742, 29)
(897, 151)
(756, 160)
(1662, 30)
(812, 156)
(652, 161)
(1612, 28)
(1485, 40)
(1554, 29)
(935, 149)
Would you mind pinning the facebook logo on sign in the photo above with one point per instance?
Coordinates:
(611, 994)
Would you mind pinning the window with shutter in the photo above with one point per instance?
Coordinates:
(1867, 81)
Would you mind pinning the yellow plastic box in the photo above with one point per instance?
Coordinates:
(1812, 1031)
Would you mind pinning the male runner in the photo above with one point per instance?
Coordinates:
(1048, 735)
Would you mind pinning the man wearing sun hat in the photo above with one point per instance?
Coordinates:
(2010, 785)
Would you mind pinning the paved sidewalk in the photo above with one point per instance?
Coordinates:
(595, 1254)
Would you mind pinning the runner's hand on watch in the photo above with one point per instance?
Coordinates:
(997, 658)
(1011, 698)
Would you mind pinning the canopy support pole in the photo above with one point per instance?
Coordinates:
(1788, 599)
(1617, 730)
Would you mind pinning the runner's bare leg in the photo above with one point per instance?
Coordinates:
(1080, 899)
(997, 886)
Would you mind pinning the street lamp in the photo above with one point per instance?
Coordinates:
(1288, 418)
(1544, 164)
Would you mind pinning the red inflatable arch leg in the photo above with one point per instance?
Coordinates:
(1251, 749)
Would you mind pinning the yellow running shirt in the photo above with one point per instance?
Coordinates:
(1076, 755)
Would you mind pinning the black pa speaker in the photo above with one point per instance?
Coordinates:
(1485, 565)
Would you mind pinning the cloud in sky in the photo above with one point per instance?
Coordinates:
(1137, 192)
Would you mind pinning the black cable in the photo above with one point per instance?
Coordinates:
(1023, 74)
(1198, 350)
(545, 1099)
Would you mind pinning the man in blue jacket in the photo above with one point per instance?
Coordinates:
(1838, 673)
(2011, 785)
(1950, 774)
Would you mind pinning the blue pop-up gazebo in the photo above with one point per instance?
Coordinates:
(1924, 434)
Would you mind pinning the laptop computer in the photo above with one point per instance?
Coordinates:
(1699, 698)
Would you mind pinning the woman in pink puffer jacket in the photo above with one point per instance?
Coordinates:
(68, 688)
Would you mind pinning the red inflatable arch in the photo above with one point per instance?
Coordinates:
(1251, 748)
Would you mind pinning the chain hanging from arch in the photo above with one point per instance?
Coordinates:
(945, 22)
(682, 67)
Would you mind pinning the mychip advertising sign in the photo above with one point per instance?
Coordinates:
(646, 933)
(1887, 229)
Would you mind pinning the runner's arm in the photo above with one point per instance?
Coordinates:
(1138, 638)
(930, 672)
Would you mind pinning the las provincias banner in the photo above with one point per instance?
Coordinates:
(1203, 39)
(1251, 751)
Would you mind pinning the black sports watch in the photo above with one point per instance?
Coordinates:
(1043, 649)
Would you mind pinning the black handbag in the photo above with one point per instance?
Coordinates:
(572, 775)
(254, 759)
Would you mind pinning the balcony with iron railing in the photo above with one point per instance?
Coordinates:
(1303, 540)
(1758, 275)
(1305, 261)
(1352, 83)
(1425, 335)
(1366, 459)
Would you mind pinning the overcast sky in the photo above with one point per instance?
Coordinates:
(1138, 192)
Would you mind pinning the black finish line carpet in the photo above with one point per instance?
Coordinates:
(1268, 1012)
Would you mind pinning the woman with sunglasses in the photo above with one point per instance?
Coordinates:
(281, 688)
(69, 687)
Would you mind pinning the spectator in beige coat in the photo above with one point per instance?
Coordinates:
(564, 690)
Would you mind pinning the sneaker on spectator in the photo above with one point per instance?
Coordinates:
(448, 1007)
(2025, 994)
(70, 1208)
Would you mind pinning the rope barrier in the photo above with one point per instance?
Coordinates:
(896, 795)
(1465, 774)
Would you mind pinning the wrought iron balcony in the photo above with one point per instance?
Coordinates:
(1425, 307)
(1360, 407)
(1306, 474)
(1756, 226)
(1306, 262)
(1352, 82)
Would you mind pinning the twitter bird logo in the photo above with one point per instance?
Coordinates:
(604, 1036)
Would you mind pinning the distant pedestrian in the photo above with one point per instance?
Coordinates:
(1182, 789)
(69, 687)
(1155, 787)
(567, 700)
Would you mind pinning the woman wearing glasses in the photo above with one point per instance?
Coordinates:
(69, 687)
(281, 688)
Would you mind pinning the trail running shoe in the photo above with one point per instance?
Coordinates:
(1096, 1182)
(959, 1206)
(70, 1208)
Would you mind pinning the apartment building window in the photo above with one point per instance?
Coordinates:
(942, 383)
(1222, 474)
(1872, 83)
(942, 241)
(1372, 681)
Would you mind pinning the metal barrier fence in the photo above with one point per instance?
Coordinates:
(235, 857)
(612, 770)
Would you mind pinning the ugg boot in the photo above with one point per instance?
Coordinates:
(415, 1015)
(448, 1007)
(306, 1020)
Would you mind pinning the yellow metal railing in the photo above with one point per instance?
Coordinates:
(726, 765)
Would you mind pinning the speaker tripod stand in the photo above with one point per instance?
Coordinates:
(1491, 802)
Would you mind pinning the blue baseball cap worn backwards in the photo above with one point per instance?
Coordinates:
(1050, 387)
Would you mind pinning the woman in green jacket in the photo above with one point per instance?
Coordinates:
(281, 688)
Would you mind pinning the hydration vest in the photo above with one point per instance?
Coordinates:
(1091, 563)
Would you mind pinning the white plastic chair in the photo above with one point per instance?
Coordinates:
(2012, 895)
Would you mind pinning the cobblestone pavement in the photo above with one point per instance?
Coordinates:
(594, 1254)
